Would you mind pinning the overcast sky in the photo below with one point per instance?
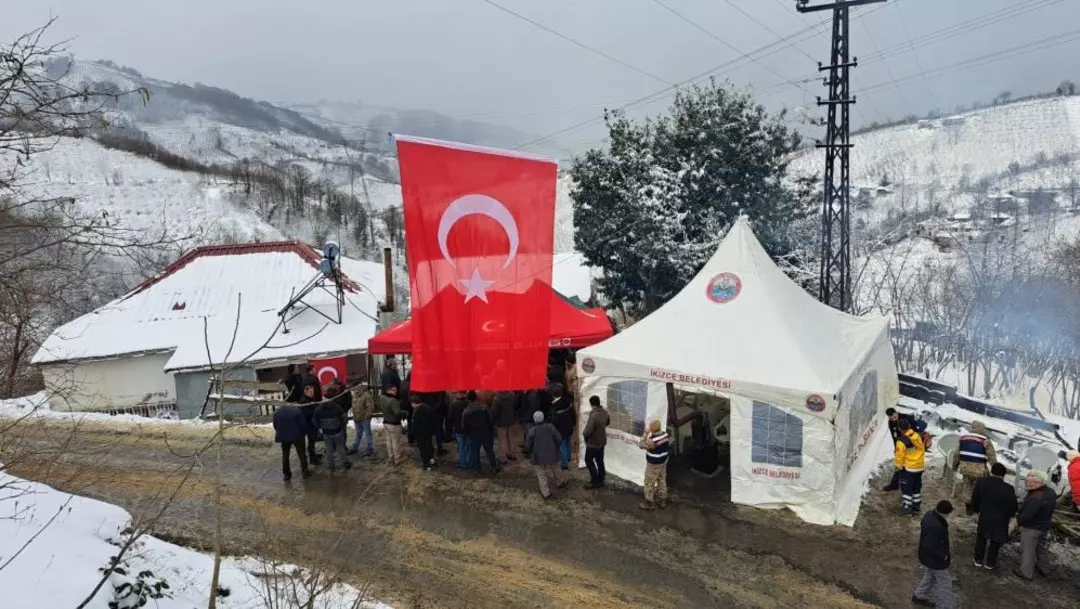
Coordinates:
(468, 58)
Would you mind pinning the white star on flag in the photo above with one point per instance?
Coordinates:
(476, 286)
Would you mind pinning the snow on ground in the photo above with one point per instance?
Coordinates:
(56, 544)
(37, 406)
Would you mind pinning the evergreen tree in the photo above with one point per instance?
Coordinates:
(651, 209)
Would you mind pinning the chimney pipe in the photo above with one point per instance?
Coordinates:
(388, 270)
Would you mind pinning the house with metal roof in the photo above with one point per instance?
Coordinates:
(249, 309)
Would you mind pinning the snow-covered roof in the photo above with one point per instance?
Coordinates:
(167, 312)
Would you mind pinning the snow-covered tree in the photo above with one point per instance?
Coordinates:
(650, 209)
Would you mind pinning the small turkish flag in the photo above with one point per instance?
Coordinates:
(479, 233)
(327, 370)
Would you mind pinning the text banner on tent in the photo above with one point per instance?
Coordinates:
(689, 379)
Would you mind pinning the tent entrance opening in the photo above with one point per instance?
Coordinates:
(700, 427)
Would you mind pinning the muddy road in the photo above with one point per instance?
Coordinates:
(447, 539)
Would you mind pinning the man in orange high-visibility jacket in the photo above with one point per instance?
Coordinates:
(909, 461)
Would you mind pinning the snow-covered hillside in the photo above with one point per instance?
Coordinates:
(948, 162)
(137, 193)
(215, 127)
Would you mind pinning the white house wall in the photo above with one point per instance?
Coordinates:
(112, 383)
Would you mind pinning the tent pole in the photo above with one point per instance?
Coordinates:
(670, 403)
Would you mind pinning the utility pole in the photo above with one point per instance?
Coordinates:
(834, 281)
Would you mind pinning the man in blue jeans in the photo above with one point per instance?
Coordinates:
(454, 430)
(363, 408)
(565, 419)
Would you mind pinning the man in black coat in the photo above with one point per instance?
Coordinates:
(935, 587)
(564, 416)
(455, 430)
(290, 430)
(994, 500)
(390, 376)
(343, 398)
(294, 385)
(894, 430)
(1035, 518)
(423, 430)
(477, 425)
(308, 402)
(440, 407)
(332, 421)
(309, 380)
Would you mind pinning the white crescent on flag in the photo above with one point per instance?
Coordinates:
(471, 205)
(319, 375)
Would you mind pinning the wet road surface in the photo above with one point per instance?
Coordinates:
(452, 539)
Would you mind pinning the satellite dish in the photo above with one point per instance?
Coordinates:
(331, 260)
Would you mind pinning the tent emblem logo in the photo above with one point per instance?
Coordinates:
(723, 288)
(815, 403)
(588, 365)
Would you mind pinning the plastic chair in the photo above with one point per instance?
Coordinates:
(947, 445)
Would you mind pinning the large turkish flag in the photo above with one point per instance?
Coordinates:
(479, 232)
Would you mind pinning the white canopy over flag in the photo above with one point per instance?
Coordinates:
(808, 384)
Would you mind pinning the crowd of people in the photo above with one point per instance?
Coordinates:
(987, 497)
(540, 425)
(505, 426)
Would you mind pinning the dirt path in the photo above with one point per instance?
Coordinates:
(448, 540)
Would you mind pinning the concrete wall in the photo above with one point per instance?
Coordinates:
(112, 383)
(191, 390)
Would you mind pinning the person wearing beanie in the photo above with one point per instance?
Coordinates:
(974, 457)
(1035, 519)
(994, 500)
(543, 444)
(935, 587)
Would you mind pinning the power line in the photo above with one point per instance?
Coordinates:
(767, 49)
(888, 70)
(914, 53)
(576, 42)
(727, 44)
(990, 58)
(947, 32)
(964, 27)
(766, 27)
(773, 32)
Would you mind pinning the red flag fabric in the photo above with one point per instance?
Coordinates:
(479, 234)
(327, 370)
(571, 328)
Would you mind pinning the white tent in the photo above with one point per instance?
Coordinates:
(808, 385)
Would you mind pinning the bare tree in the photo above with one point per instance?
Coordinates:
(52, 253)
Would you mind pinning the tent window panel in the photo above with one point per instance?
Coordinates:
(776, 436)
(627, 403)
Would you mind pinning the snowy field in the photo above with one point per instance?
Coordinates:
(56, 545)
(984, 142)
(136, 193)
